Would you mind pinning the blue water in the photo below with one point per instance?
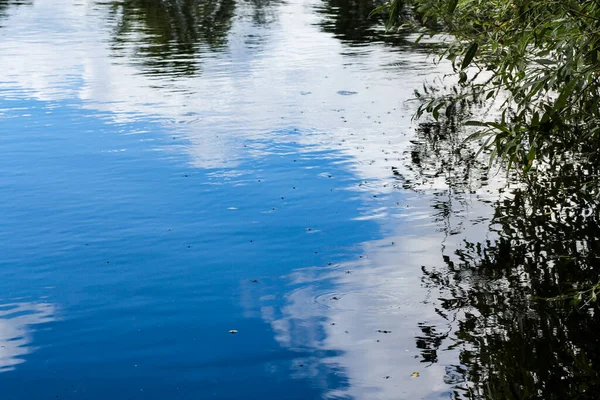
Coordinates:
(146, 216)
(149, 264)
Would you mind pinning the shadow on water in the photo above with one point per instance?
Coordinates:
(494, 292)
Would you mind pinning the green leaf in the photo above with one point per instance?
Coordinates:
(544, 61)
(471, 51)
(500, 126)
(378, 10)
(452, 6)
(531, 153)
(564, 95)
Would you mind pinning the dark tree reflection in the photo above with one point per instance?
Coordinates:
(5, 5)
(167, 37)
(348, 20)
(514, 342)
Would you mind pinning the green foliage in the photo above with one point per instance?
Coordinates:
(537, 60)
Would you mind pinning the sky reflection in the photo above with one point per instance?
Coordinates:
(232, 134)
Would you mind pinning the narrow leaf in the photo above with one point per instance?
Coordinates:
(472, 50)
(378, 10)
(452, 6)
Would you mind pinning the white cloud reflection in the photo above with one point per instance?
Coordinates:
(16, 325)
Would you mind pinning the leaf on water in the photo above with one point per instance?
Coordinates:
(414, 375)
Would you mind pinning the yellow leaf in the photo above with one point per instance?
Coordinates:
(415, 375)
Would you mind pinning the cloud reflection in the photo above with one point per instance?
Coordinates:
(16, 325)
(363, 318)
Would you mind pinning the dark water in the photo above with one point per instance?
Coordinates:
(172, 171)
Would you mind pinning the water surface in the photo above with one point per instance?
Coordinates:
(173, 171)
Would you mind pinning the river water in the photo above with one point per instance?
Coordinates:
(228, 200)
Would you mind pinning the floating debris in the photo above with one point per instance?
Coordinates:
(232, 331)
(383, 331)
(346, 92)
(415, 374)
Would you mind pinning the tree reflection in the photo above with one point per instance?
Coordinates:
(349, 21)
(515, 343)
(168, 36)
(5, 5)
